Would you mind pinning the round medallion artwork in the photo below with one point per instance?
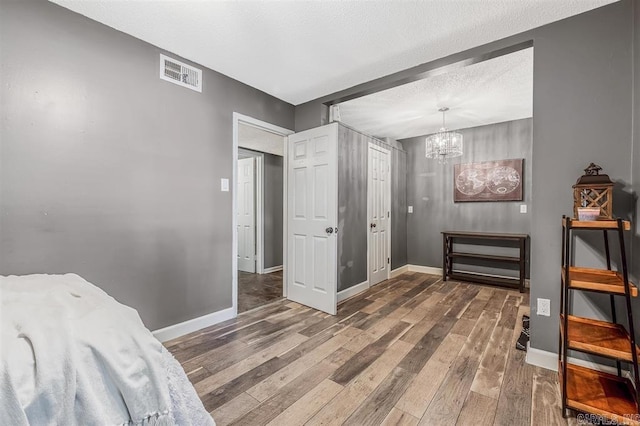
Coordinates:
(502, 180)
(471, 181)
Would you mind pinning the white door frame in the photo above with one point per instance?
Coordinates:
(259, 206)
(245, 119)
(388, 189)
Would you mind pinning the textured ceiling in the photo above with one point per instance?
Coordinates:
(255, 139)
(302, 50)
(493, 91)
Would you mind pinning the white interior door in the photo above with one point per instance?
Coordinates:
(379, 213)
(312, 199)
(246, 215)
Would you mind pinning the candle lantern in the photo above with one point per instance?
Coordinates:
(591, 192)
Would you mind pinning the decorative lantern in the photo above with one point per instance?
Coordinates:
(594, 190)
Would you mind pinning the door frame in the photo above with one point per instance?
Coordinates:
(281, 131)
(388, 191)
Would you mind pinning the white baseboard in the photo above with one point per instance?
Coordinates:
(186, 327)
(272, 269)
(399, 271)
(425, 269)
(549, 360)
(352, 291)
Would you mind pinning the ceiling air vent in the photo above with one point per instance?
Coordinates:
(180, 73)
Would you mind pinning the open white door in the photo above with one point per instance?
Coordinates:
(312, 199)
(379, 213)
(246, 215)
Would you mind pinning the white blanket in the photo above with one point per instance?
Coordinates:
(71, 354)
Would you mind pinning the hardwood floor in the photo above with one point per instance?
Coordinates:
(256, 290)
(410, 351)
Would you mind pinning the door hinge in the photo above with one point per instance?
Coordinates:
(388, 260)
(388, 214)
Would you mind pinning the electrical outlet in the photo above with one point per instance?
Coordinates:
(544, 307)
(224, 185)
(410, 209)
(523, 208)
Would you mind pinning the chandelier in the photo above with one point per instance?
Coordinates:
(444, 144)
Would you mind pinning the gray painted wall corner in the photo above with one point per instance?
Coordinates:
(430, 191)
(123, 188)
(582, 81)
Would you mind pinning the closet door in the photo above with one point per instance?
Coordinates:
(312, 196)
(246, 215)
(379, 213)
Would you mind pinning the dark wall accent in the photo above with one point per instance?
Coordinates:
(399, 255)
(273, 201)
(430, 190)
(353, 151)
(582, 92)
(116, 175)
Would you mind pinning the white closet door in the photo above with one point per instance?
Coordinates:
(246, 215)
(312, 198)
(379, 212)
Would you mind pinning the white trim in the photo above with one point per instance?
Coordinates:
(259, 213)
(272, 269)
(352, 291)
(186, 327)
(425, 269)
(399, 271)
(549, 361)
(245, 119)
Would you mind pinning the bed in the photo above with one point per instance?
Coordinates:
(71, 354)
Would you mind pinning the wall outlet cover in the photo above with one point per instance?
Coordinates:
(224, 185)
(410, 209)
(523, 208)
(544, 307)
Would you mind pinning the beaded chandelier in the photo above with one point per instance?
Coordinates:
(444, 144)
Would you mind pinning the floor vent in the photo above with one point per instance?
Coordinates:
(180, 73)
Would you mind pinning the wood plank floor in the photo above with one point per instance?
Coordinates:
(256, 290)
(410, 351)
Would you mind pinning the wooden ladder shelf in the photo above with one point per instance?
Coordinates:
(610, 396)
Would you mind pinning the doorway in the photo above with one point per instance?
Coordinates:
(258, 213)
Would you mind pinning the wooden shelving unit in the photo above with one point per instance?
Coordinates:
(611, 396)
(451, 256)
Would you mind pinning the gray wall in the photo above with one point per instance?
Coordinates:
(582, 88)
(111, 173)
(273, 201)
(430, 190)
(352, 205)
(635, 169)
(399, 256)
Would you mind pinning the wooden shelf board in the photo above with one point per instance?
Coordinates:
(599, 280)
(485, 279)
(598, 337)
(596, 224)
(485, 257)
(595, 392)
(486, 235)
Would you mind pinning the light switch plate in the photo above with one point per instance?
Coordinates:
(544, 307)
(523, 208)
(224, 185)
(410, 209)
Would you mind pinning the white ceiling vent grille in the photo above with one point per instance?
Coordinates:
(180, 73)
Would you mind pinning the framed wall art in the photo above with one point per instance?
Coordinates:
(499, 180)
